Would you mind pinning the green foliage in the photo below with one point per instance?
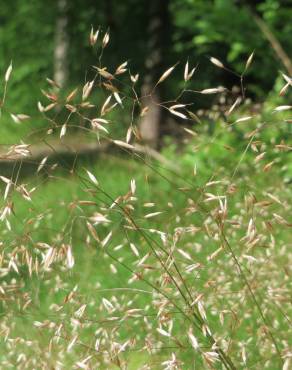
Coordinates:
(199, 29)
(227, 31)
(27, 30)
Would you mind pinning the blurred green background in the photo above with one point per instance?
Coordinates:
(176, 30)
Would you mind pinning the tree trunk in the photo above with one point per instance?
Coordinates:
(157, 47)
(61, 45)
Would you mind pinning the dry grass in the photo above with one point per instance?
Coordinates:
(203, 282)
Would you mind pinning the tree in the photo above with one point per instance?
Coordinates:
(158, 46)
(61, 71)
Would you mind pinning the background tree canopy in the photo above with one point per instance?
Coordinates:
(197, 29)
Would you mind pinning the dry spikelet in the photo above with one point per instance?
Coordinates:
(104, 73)
(5, 179)
(144, 111)
(105, 40)
(211, 357)
(87, 89)
(135, 78)
(53, 83)
(83, 364)
(202, 310)
(118, 99)
(92, 231)
(79, 313)
(281, 108)
(215, 90)
(215, 254)
(129, 134)
(284, 89)
(150, 215)
(286, 365)
(243, 119)
(98, 218)
(191, 132)
(42, 163)
(133, 186)
(134, 249)
(18, 118)
(283, 146)
(234, 105)
(50, 96)
(123, 144)
(259, 157)
(177, 106)
(268, 166)
(193, 340)
(105, 105)
(287, 79)
(184, 254)
(249, 61)
(49, 257)
(149, 205)
(216, 62)
(110, 87)
(71, 95)
(121, 68)
(40, 107)
(178, 114)
(14, 118)
(210, 183)
(281, 220)
(93, 36)
(92, 178)
(101, 120)
(63, 130)
(107, 304)
(188, 75)
(163, 332)
(165, 74)
(113, 269)
(186, 71)
(106, 239)
(49, 107)
(274, 198)
(70, 258)
(8, 72)
(194, 117)
(173, 111)
(96, 123)
(71, 344)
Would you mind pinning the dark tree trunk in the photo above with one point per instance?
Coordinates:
(157, 50)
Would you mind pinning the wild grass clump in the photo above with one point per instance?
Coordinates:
(170, 260)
